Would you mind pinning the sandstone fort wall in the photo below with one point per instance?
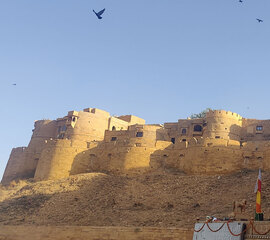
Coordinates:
(92, 140)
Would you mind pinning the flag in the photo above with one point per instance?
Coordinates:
(258, 189)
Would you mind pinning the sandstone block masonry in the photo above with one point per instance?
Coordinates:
(92, 140)
(92, 233)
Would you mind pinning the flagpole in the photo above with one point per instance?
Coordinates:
(258, 191)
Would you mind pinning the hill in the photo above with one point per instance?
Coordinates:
(162, 199)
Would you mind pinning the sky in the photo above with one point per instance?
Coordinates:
(156, 59)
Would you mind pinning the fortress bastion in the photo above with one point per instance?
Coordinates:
(93, 141)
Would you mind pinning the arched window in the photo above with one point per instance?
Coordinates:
(113, 128)
(259, 128)
(184, 131)
(197, 128)
(139, 134)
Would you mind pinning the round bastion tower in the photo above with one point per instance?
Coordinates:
(223, 124)
(75, 133)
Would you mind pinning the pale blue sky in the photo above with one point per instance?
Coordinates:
(160, 60)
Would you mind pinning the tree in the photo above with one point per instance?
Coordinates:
(202, 114)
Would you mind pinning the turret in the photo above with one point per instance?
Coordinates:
(223, 124)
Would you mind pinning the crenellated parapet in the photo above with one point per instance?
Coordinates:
(223, 114)
(92, 140)
(55, 144)
(223, 124)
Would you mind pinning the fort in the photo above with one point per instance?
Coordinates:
(93, 141)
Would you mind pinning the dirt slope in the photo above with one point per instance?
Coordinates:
(156, 199)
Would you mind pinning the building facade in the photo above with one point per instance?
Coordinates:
(91, 140)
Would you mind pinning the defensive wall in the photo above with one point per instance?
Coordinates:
(92, 233)
(54, 144)
(92, 140)
(259, 230)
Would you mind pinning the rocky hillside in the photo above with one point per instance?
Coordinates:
(163, 199)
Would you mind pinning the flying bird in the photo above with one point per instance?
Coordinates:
(259, 20)
(98, 14)
(241, 1)
(14, 84)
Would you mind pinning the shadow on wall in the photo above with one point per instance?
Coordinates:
(88, 161)
(206, 156)
(235, 131)
(108, 158)
(169, 159)
(195, 156)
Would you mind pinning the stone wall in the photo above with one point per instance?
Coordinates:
(92, 140)
(92, 233)
(223, 124)
(57, 159)
(255, 130)
(55, 145)
(15, 163)
(131, 119)
(111, 233)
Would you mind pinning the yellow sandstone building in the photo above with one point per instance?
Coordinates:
(93, 141)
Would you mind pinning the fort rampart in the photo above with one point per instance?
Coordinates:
(92, 140)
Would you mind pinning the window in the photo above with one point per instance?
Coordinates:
(259, 128)
(61, 136)
(184, 131)
(113, 138)
(197, 128)
(173, 140)
(73, 119)
(184, 140)
(217, 137)
(113, 128)
(139, 134)
(64, 128)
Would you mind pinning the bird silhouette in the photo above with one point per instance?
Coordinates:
(14, 84)
(240, 1)
(98, 14)
(259, 20)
